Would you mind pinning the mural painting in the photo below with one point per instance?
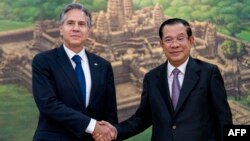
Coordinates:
(125, 32)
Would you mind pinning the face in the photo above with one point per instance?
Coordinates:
(176, 44)
(74, 29)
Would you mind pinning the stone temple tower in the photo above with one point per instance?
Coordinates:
(102, 23)
(115, 14)
(158, 15)
(210, 39)
(128, 8)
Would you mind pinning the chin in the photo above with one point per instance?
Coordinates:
(176, 57)
(76, 43)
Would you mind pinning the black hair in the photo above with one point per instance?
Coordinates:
(174, 21)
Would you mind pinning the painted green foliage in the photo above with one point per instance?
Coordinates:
(19, 115)
(30, 10)
(233, 50)
(230, 16)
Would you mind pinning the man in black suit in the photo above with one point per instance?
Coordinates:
(188, 106)
(73, 95)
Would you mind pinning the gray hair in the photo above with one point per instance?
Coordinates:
(76, 6)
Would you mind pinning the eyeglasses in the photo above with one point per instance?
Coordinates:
(178, 39)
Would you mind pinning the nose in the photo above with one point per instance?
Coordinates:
(76, 27)
(175, 43)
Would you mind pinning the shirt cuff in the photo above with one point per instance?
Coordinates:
(91, 127)
(116, 133)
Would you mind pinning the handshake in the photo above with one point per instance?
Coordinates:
(104, 131)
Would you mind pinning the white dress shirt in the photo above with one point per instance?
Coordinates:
(181, 75)
(87, 74)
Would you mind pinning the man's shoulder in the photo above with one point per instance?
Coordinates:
(45, 53)
(97, 57)
(158, 69)
(202, 64)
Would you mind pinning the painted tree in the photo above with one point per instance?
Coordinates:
(233, 50)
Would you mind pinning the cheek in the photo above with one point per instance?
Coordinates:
(165, 50)
(86, 29)
(187, 48)
(86, 32)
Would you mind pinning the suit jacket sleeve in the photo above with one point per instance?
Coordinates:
(140, 121)
(110, 99)
(47, 101)
(219, 101)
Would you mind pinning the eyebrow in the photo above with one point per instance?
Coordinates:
(182, 34)
(70, 20)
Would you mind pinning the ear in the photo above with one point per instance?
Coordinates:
(161, 43)
(60, 29)
(90, 29)
(192, 40)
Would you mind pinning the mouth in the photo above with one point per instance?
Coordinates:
(175, 53)
(75, 36)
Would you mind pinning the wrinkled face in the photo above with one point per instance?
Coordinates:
(74, 29)
(176, 44)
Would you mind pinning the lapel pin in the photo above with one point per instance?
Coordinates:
(95, 64)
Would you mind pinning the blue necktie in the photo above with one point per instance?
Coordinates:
(81, 78)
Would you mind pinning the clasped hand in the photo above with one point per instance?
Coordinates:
(104, 131)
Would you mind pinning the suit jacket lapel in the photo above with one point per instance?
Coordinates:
(190, 79)
(69, 72)
(163, 87)
(95, 72)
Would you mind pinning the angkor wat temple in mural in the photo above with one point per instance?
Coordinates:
(129, 39)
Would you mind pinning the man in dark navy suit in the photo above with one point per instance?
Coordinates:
(184, 99)
(73, 88)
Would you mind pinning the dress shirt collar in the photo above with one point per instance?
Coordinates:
(182, 67)
(70, 53)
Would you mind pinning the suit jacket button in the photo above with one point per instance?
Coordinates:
(174, 127)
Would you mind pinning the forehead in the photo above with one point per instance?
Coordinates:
(174, 30)
(75, 15)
